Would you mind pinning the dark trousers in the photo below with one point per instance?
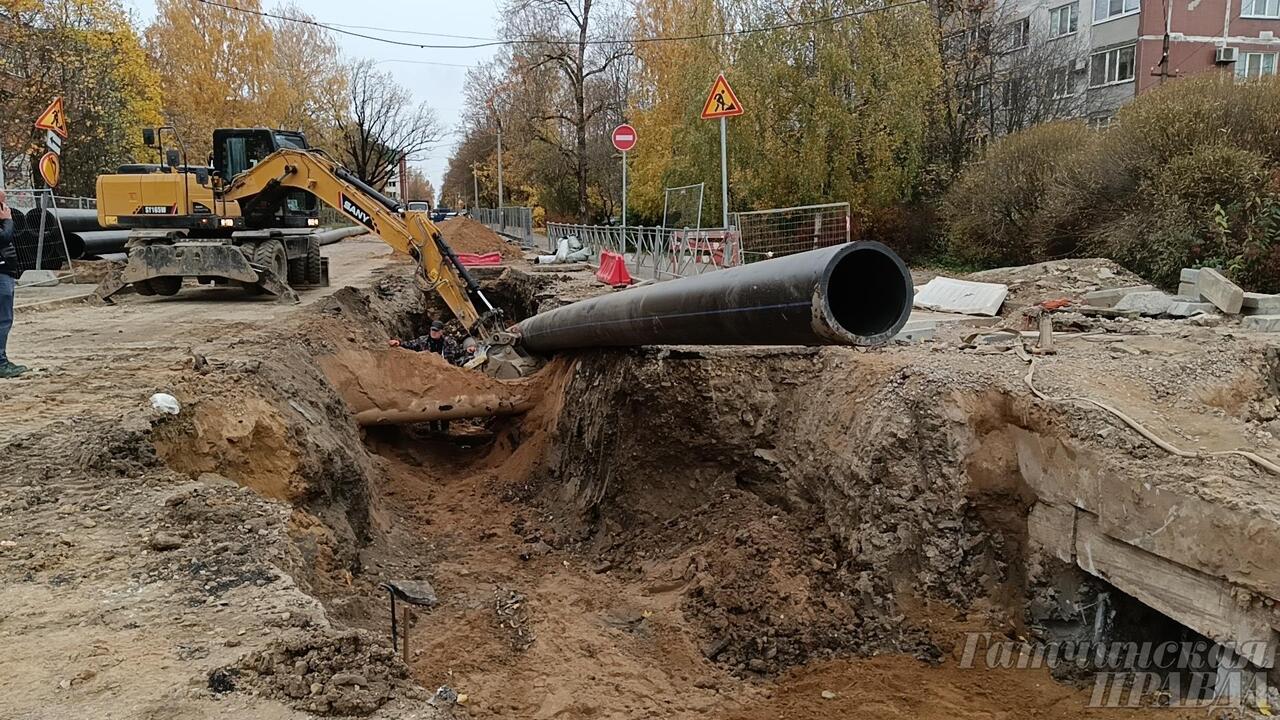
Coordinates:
(7, 284)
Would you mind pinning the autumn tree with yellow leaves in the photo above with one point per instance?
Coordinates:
(87, 52)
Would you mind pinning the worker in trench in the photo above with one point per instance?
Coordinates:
(435, 341)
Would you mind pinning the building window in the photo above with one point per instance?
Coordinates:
(1018, 33)
(1105, 122)
(1106, 9)
(1061, 82)
(1111, 66)
(1065, 20)
(1260, 8)
(1252, 65)
(1011, 94)
(981, 96)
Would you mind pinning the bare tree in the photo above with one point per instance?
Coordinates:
(557, 48)
(377, 125)
(1001, 73)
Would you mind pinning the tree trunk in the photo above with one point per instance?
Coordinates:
(580, 120)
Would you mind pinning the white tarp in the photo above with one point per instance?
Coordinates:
(961, 296)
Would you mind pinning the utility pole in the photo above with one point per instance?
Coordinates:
(475, 184)
(499, 162)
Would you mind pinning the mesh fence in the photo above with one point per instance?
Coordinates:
(783, 231)
(39, 236)
(682, 207)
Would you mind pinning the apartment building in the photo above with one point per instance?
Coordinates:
(1108, 51)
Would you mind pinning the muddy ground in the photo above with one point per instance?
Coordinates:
(676, 533)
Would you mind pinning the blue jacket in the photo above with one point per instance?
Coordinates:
(8, 253)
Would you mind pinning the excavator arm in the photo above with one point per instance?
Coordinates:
(260, 188)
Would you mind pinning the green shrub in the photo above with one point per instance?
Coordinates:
(1189, 176)
(992, 212)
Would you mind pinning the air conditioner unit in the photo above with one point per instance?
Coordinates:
(1080, 65)
(1226, 55)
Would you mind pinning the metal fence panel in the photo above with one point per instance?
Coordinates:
(655, 252)
(39, 238)
(783, 231)
(513, 221)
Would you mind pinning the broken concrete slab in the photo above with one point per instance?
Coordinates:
(1261, 304)
(1189, 275)
(961, 296)
(1151, 302)
(1217, 289)
(1262, 323)
(916, 331)
(1182, 309)
(1108, 298)
(1188, 290)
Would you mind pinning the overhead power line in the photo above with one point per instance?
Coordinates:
(342, 29)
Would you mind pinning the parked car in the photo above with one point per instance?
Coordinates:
(443, 213)
(419, 206)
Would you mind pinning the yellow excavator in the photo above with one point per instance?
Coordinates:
(259, 184)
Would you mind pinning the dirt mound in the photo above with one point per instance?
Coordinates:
(350, 673)
(465, 235)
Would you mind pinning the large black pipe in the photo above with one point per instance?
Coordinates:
(97, 242)
(72, 220)
(851, 294)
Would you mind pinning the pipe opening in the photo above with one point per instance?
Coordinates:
(868, 293)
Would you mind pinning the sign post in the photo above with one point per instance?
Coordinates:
(54, 122)
(721, 104)
(624, 138)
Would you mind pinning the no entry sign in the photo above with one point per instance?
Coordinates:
(624, 137)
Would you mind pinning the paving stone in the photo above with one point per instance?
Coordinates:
(1108, 298)
(1215, 288)
(1260, 304)
(1187, 309)
(1151, 302)
(1262, 323)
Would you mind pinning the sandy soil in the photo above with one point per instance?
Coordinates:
(686, 533)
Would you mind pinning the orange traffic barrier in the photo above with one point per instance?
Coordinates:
(613, 270)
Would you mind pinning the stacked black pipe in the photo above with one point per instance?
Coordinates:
(84, 237)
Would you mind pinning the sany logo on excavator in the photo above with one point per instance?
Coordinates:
(361, 215)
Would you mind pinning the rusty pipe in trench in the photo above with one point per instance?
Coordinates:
(463, 406)
(850, 294)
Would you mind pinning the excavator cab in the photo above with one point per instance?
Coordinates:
(236, 150)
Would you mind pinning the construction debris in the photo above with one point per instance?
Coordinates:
(1220, 291)
(1109, 298)
(961, 296)
(1151, 303)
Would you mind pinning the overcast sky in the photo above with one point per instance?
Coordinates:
(439, 85)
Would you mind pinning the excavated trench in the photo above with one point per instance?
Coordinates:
(688, 532)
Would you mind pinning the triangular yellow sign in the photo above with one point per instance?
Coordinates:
(53, 118)
(721, 102)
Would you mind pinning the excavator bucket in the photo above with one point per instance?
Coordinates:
(500, 358)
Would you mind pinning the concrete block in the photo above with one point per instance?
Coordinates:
(1260, 304)
(1150, 302)
(1217, 289)
(917, 331)
(1108, 298)
(38, 278)
(1188, 290)
(1187, 309)
(1262, 323)
(1190, 275)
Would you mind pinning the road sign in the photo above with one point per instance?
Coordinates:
(624, 137)
(53, 118)
(721, 103)
(51, 169)
(53, 141)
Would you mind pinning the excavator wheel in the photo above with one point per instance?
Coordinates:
(251, 253)
(143, 287)
(314, 264)
(298, 271)
(167, 285)
(271, 255)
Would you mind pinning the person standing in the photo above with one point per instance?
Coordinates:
(9, 272)
(435, 341)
